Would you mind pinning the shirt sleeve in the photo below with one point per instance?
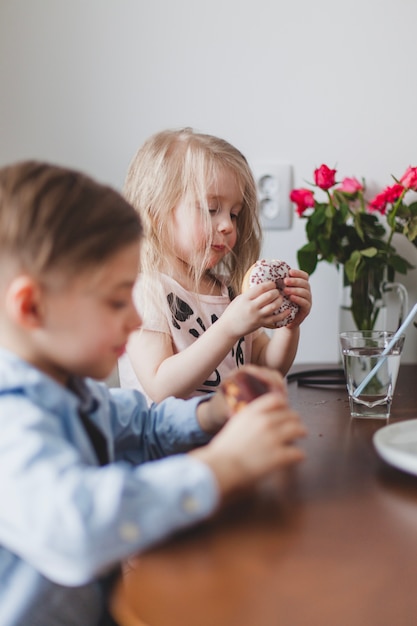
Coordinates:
(143, 433)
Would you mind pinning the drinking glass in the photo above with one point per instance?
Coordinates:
(361, 351)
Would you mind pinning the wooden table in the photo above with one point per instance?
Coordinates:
(332, 542)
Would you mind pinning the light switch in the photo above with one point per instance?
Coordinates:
(274, 183)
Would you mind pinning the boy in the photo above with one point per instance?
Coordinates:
(83, 480)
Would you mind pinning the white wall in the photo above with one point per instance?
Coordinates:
(84, 82)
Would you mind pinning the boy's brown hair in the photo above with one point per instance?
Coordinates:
(54, 218)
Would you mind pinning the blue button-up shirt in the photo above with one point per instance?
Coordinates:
(64, 520)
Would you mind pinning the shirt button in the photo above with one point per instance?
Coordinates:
(129, 532)
(190, 504)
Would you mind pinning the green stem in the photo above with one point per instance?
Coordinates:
(330, 199)
(394, 213)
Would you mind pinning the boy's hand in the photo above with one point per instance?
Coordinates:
(256, 441)
(213, 414)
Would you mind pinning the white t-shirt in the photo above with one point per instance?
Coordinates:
(186, 317)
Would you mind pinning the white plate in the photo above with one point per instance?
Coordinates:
(397, 445)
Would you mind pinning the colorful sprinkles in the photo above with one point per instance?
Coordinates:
(275, 270)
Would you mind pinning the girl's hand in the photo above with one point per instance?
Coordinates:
(253, 309)
(297, 289)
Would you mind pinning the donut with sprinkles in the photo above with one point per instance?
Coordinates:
(275, 270)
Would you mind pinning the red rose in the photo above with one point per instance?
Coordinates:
(394, 192)
(409, 179)
(350, 185)
(379, 203)
(324, 177)
(303, 198)
(388, 196)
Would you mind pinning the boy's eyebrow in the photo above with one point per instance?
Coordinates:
(122, 285)
(126, 284)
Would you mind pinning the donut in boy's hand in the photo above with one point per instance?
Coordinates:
(241, 388)
(275, 270)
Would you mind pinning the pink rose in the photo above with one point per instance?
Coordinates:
(409, 180)
(324, 177)
(303, 198)
(350, 185)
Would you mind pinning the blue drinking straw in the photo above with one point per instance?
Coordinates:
(386, 351)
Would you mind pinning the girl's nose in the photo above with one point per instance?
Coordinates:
(225, 224)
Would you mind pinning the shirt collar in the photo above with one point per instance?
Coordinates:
(18, 375)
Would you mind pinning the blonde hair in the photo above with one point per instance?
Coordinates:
(57, 220)
(173, 165)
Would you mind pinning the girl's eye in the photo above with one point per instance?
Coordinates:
(234, 216)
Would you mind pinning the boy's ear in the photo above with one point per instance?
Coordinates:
(24, 300)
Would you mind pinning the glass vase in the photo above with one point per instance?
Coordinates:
(372, 302)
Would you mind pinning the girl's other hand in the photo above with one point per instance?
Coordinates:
(297, 289)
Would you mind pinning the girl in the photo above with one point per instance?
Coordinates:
(196, 196)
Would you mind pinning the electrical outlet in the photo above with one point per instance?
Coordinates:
(273, 183)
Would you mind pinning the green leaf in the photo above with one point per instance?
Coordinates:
(400, 264)
(329, 212)
(411, 230)
(324, 246)
(319, 215)
(307, 258)
(391, 219)
(369, 252)
(358, 226)
(352, 266)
